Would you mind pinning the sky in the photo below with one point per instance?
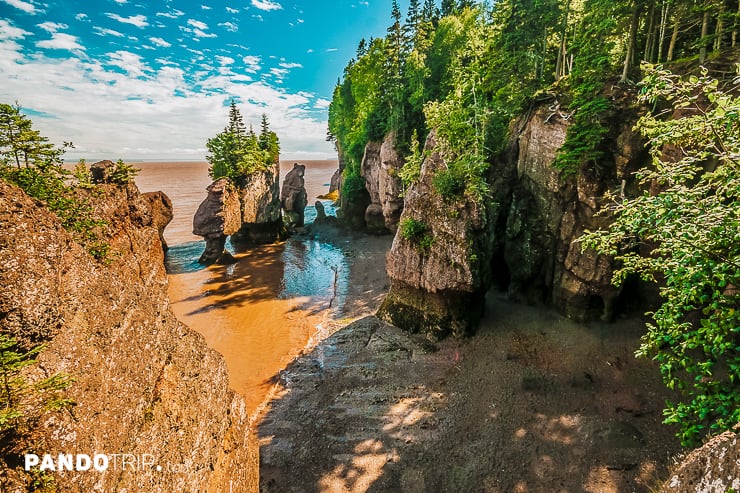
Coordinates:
(152, 80)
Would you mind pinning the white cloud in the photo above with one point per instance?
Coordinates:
(172, 14)
(252, 63)
(119, 107)
(310, 50)
(258, 17)
(82, 17)
(321, 104)
(52, 27)
(266, 5)
(224, 60)
(61, 41)
(121, 2)
(231, 10)
(332, 49)
(205, 7)
(301, 21)
(160, 42)
(229, 26)
(100, 31)
(135, 20)
(197, 24)
(130, 63)
(20, 4)
(291, 65)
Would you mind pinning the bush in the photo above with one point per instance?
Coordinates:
(450, 183)
(417, 232)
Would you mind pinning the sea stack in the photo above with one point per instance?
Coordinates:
(293, 196)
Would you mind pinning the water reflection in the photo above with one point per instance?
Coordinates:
(314, 268)
(183, 258)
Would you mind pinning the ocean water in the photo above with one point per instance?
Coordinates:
(260, 312)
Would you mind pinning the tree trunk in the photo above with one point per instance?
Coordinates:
(720, 28)
(650, 38)
(628, 59)
(663, 23)
(674, 36)
(562, 53)
(734, 26)
(704, 33)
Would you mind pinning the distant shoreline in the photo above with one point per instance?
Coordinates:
(154, 161)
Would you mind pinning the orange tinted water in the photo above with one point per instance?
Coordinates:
(260, 312)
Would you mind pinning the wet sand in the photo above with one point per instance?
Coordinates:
(261, 312)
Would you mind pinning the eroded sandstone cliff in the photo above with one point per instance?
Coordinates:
(145, 384)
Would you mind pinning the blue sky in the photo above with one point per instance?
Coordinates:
(139, 79)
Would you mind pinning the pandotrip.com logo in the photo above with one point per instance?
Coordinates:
(101, 463)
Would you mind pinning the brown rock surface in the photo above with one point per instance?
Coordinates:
(217, 217)
(437, 276)
(160, 207)
(145, 383)
(379, 168)
(260, 204)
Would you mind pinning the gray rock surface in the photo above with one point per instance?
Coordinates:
(293, 196)
(260, 202)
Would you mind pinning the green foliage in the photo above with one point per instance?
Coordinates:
(412, 167)
(450, 182)
(237, 152)
(687, 233)
(123, 173)
(21, 400)
(32, 163)
(417, 232)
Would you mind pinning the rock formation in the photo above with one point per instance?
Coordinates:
(547, 213)
(160, 206)
(218, 216)
(261, 220)
(320, 212)
(715, 466)
(293, 196)
(144, 382)
(379, 168)
(439, 261)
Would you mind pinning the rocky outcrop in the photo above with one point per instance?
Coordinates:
(217, 217)
(293, 196)
(549, 212)
(145, 384)
(440, 257)
(261, 220)
(160, 206)
(714, 467)
(380, 167)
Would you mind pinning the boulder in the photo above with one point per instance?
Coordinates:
(260, 208)
(320, 212)
(293, 196)
(101, 171)
(439, 262)
(713, 467)
(218, 216)
(160, 207)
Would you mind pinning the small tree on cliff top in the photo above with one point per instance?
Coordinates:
(687, 233)
(237, 152)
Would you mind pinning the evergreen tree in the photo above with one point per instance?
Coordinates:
(21, 145)
(429, 11)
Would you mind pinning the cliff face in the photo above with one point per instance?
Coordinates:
(548, 213)
(438, 263)
(260, 204)
(146, 385)
(380, 167)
